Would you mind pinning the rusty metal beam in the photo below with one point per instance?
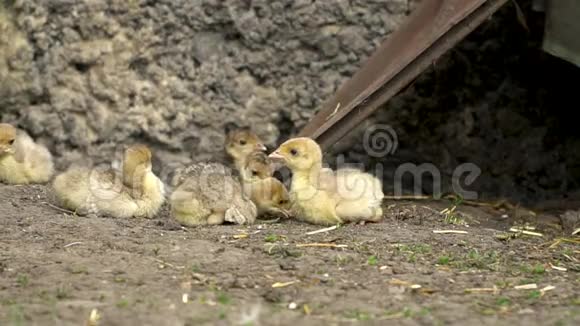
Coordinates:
(432, 29)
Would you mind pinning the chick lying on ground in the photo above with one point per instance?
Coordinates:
(210, 194)
(240, 143)
(22, 161)
(133, 192)
(323, 196)
(268, 193)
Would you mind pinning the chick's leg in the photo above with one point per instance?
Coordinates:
(354, 211)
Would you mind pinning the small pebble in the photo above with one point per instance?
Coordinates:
(292, 306)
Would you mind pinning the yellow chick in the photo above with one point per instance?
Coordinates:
(323, 196)
(210, 194)
(22, 161)
(268, 193)
(135, 191)
(241, 142)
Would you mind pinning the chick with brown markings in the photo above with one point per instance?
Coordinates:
(135, 191)
(323, 196)
(22, 161)
(210, 194)
(268, 193)
(240, 143)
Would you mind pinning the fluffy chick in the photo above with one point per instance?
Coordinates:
(240, 143)
(210, 194)
(22, 161)
(268, 193)
(323, 196)
(257, 166)
(135, 191)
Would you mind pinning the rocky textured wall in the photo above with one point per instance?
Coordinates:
(86, 76)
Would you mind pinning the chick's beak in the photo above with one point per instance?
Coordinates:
(280, 211)
(6, 150)
(261, 147)
(276, 156)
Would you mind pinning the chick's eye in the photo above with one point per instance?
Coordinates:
(282, 202)
(293, 152)
(11, 142)
(254, 172)
(243, 142)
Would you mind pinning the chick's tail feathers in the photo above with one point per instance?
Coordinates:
(38, 160)
(244, 212)
(71, 191)
(354, 211)
(43, 166)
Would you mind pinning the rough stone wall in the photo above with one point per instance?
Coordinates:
(87, 76)
(84, 76)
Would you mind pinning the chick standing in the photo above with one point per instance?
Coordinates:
(323, 196)
(22, 161)
(267, 192)
(208, 193)
(133, 192)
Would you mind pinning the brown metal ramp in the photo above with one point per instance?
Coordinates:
(432, 29)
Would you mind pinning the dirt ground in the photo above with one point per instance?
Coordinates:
(56, 268)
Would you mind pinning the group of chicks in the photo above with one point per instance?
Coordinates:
(206, 192)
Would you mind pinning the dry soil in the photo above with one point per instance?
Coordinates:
(56, 268)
